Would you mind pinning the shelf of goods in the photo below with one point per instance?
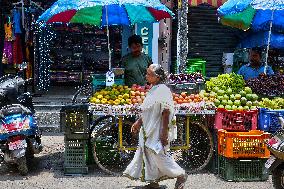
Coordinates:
(79, 52)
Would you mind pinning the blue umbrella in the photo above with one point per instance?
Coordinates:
(254, 14)
(260, 39)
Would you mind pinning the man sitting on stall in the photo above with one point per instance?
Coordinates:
(135, 63)
(255, 67)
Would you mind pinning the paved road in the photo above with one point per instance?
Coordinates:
(47, 173)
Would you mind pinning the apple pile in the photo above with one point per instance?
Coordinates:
(185, 98)
(138, 93)
(244, 100)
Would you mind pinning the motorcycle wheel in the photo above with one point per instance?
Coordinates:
(22, 166)
(278, 177)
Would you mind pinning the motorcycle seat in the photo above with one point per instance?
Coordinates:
(14, 110)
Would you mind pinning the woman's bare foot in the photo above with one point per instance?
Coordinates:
(181, 181)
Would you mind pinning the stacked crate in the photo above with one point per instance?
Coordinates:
(268, 120)
(196, 65)
(242, 151)
(75, 122)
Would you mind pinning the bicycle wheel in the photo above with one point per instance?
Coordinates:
(106, 141)
(200, 149)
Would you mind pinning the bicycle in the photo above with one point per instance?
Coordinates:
(114, 147)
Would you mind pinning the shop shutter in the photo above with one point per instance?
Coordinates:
(208, 39)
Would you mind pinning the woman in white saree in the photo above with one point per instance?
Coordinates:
(152, 161)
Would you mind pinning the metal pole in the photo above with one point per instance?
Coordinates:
(268, 41)
(108, 41)
(182, 39)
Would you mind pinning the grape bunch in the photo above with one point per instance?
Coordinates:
(186, 78)
(267, 85)
(225, 82)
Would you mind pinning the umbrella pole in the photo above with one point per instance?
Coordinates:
(268, 41)
(108, 41)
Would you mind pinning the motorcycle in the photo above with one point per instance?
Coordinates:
(275, 164)
(19, 135)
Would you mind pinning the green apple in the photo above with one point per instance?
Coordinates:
(224, 102)
(234, 107)
(240, 108)
(228, 107)
(243, 93)
(249, 103)
(248, 90)
(217, 102)
(230, 103)
(238, 97)
(221, 106)
(226, 97)
(243, 101)
(237, 102)
(229, 91)
(232, 97)
(246, 108)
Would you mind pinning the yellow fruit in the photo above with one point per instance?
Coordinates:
(97, 101)
(122, 101)
(96, 94)
(117, 93)
(125, 87)
(112, 97)
(107, 97)
(120, 97)
(92, 99)
(110, 102)
(128, 101)
(100, 96)
(126, 96)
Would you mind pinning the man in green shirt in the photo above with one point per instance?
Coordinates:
(135, 63)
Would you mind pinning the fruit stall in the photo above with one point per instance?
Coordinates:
(222, 123)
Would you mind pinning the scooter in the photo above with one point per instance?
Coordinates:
(19, 135)
(275, 164)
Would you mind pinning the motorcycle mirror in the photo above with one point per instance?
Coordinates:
(281, 121)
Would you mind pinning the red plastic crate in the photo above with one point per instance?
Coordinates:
(243, 144)
(235, 120)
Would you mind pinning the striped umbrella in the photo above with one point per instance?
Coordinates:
(106, 12)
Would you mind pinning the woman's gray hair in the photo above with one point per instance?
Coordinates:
(159, 71)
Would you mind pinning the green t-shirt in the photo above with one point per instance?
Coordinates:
(135, 69)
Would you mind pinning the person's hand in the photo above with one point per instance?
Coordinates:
(262, 75)
(135, 128)
(164, 139)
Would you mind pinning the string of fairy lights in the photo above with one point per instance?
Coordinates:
(44, 34)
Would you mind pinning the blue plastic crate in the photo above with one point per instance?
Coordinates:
(268, 119)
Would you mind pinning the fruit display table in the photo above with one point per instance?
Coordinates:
(127, 110)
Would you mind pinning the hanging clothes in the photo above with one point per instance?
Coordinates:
(17, 21)
(7, 57)
(17, 51)
(8, 32)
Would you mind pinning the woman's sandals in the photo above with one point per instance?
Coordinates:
(181, 183)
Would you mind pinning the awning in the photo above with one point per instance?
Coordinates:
(214, 3)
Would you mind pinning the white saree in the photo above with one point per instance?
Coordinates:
(152, 162)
